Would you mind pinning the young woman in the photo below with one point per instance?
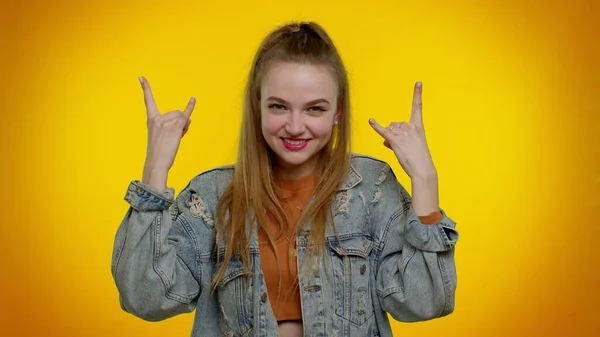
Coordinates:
(300, 237)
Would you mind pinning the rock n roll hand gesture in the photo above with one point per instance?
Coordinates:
(164, 136)
(408, 142)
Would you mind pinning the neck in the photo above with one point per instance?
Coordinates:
(294, 172)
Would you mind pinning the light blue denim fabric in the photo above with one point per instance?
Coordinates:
(385, 261)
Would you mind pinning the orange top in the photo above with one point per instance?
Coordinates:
(295, 195)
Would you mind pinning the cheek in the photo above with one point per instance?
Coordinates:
(321, 129)
(272, 124)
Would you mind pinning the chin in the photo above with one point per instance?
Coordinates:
(293, 159)
(296, 159)
(290, 159)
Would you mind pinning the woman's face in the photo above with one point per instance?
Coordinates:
(298, 111)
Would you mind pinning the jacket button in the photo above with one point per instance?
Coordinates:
(363, 268)
(263, 297)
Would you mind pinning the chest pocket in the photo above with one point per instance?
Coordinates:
(352, 278)
(234, 294)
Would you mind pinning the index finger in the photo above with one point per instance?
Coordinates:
(416, 116)
(151, 109)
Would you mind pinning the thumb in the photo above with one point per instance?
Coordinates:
(378, 128)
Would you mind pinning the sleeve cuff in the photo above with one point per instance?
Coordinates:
(435, 237)
(147, 199)
(431, 218)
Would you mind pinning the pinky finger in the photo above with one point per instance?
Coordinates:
(186, 128)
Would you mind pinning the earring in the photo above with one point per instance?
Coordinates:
(335, 123)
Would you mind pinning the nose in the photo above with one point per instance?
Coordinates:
(295, 124)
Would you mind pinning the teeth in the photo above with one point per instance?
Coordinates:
(294, 142)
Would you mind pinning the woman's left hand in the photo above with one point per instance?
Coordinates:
(408, 142)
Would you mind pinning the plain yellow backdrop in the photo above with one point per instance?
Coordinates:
(511, 109)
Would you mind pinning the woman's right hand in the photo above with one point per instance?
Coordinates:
(164, 136)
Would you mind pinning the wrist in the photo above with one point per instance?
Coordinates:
(428, 176)
(425, 197)
(156, 178)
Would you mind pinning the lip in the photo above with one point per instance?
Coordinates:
(293, 147)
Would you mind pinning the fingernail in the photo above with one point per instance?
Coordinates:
(193, 99)
(419, 84)
(371, 120)
(141, 79)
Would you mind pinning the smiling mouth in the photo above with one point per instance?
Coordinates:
(295, 142)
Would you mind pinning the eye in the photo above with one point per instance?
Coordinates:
(276, 107)
(317, 109)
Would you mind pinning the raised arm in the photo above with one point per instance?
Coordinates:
(154, 264)
(416, 272)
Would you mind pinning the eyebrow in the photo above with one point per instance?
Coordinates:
(313, 102)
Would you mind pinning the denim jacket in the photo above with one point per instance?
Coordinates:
(379, 259)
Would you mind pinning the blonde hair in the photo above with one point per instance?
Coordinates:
(251, 191)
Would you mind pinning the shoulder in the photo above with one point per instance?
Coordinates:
(377, 175)
(199, 199)
(369, 196)
(210, 183)
(215, 178)
(372, 170)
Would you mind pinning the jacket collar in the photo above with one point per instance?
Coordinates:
(352, 180)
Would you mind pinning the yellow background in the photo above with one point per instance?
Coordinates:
(511, 108)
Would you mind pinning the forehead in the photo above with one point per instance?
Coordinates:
(296, 82)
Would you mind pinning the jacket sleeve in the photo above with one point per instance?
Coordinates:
(416, 274)
(154, 264)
